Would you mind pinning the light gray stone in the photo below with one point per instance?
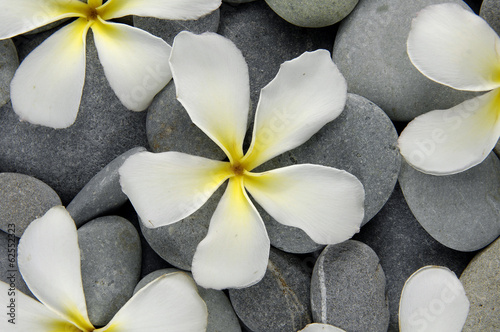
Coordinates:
(102, 193)
(8, 66)
(9, 270)
(490, 11)
(110, 251)
(348, 288)
(23, 199)
(461, 211)
(237, 2)
(370, 51)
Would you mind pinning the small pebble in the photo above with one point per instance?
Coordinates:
(8, 66)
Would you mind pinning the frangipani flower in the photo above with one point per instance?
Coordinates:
(47, 86)
(211, 79)
(49, 261)
(457, 48)
(318, 327)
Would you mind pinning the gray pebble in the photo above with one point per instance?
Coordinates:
(102, 193)
(348, 288)
(9, 271)
(237, 2)
(111, 262)
(460, 211)
(370, 51)
(490, 11)
(280, 301)
(22, 200)
(8, 66)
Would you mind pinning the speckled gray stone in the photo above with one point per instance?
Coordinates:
(236, 2)
(102, 193)
(370, 51)
(23, 199)
(362, 141)
(490, 11)
(8, 66)
(348, 288)
(221, 316)
(9, 271)
(312, 13)
(497, 149)
(461, 211)
(481, 280)
(111, 262)
(280, 301)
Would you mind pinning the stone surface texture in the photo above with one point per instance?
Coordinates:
(8, 66)
(490, 11)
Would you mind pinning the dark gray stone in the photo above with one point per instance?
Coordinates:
(461, 211)
(102, 193)
(22, 200)
(111, 262)
(9, 270)
(490, 11)
(370, 50)
(280, 301)
(348, 288)
(8, 66)
(237, 2)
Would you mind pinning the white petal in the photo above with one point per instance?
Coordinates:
(47, 87)
(134, 61)
(433, 300)
(444, 142)
(455, 47)
(317, 327)
(211, 78)
(167, 187)
(307, 93)
(235, 252)
(21, 16)
(49, 261)
(324, 202)
(168, 303)
(169, 10)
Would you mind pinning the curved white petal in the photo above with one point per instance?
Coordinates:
(169, 10)
(47, 86)
(235, 252)
(21, 16)
(134, 61)
(211, 78)
(444, 142)
(168, 303)
(167, 187)
(455, 47)
(49, 261)
(433, 300)
(317, 327)
(326, 203)
(307, 93)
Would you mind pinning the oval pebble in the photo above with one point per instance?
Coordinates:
(490, 11)
(8, 66)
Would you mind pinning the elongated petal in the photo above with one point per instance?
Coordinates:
(211, 78)
(21, 16)
(307, 93)
(47, 87)
(235, 252)
(22, 313)
(49, 261)
(444, 142)
(134, 61)
(167, 187)
(455, 47)
(165, 9)
(433, 300)
(317, 327)
(326, 203)
(169, 303)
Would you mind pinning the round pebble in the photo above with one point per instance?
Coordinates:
(490, 11)
(8, 66)
(23, 199)
(460, 211)
(111, 263)
(348, 288)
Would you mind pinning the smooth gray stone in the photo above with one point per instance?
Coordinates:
(490, 11)
(497, 149)
(312, 13)
(481, 282)
(8, 66)
(9, 270)
(221, 316)
(460, 211)
(280, 302)
(348, 288)
(110, 251)
(362, 141)
(23, 199)
(102, 193)
(66, 159)
(237, 2)
(370, 51)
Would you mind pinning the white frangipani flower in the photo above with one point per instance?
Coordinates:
(457, 48)
(318, 327)
(49, 261)
(47, 87)
(211, 78)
